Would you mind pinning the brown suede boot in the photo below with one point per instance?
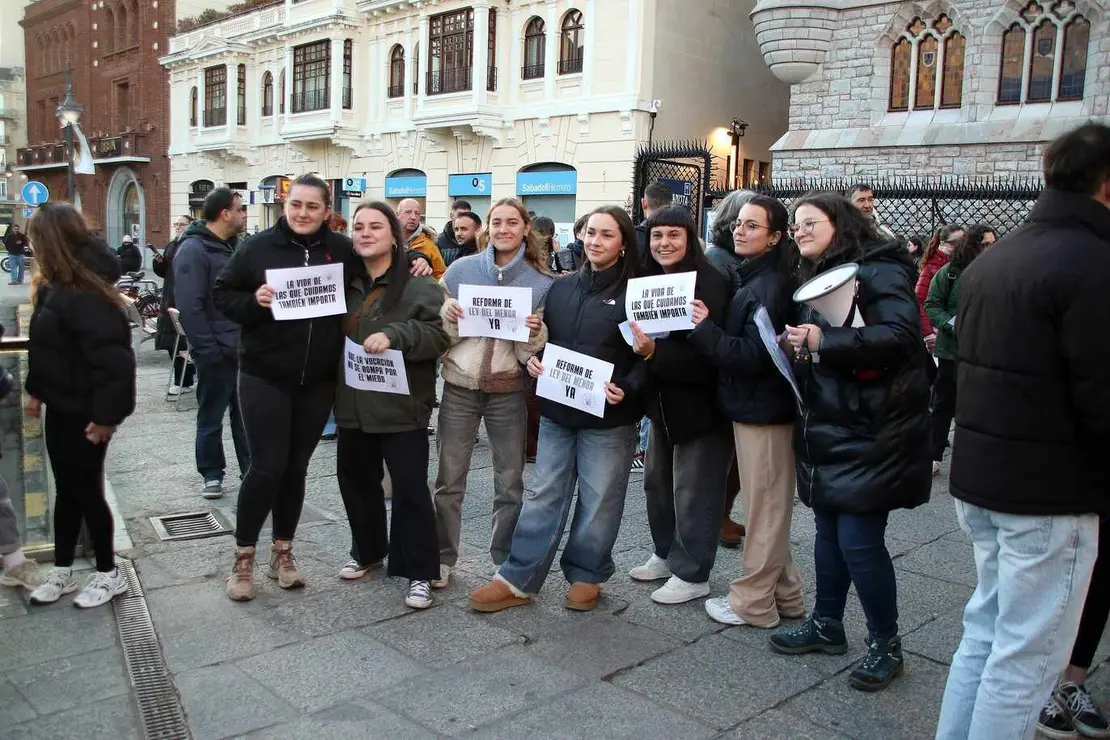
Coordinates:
(582, 597)
(732, 534)
(495, 596)
(283, 567)
(240, 584)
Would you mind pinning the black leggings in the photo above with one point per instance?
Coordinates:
(413, 546)
(944, 406)
(283, 423)
(78, 467)
(1097, 607)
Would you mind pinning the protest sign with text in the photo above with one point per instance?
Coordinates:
(383, 372)
(307, 292)
(661, 302)
(494, 311)
(574, 379)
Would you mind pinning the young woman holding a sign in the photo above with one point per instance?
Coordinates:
(690, 447)
(590, 451)
(759, 402)
(389, 310)
(862, 443)
(483, 374)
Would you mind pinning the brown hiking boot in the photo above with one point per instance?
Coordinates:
(732, 533)
(240, 584)
(495, 596)
(282, 565)
(582, 597)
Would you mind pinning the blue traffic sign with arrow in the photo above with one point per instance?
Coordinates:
(34, 193)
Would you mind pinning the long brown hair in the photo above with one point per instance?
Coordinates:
(940, 236)
(399, 266)
(58, 233)
(533, 242)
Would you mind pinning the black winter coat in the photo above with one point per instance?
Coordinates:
(862, 442)
(584, 313)
(200, 258)
(99, 257)
(1033, 412)
(163, 268)
(680, 382)
(751, 389)
(80, 358)
(296, 352)
(729, 264)
(450, 249)
(130, 258)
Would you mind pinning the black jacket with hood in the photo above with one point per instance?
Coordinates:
(199, 258)
(450, 249)
(862, 442)
(296, 352)
(1033, 412)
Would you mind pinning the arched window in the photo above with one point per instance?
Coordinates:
(110, 31)
(122, 19)
(927, 60)
(900, 75)
(241, 95)
(1077, 36)
(267, 94)
(133, 23)
(397, 72)
(952, 79)
(1013, 61)
(923, 58)
(193, 107)
(572, 39)
(535, 43)
(1041, 63)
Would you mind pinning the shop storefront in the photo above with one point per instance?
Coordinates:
(476, 188)
(550, 189)
(407, 183)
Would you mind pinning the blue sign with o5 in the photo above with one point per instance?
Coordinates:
(564, 182)
(480, 184)
(406, 187)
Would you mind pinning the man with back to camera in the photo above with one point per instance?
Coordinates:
(213, 338)
(1032, 427)
(418, 237)
(446, 243)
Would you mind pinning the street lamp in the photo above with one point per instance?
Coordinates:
(69, 113)
(736, 132)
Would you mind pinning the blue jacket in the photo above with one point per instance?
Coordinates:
(198, 260)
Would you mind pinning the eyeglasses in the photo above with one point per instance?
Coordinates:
(749, 226)
(806, 226)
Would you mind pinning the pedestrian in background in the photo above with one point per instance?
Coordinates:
(761, 406)
(448, 244)
(484, 378)
(166, 338)
(420, 237)
(578, 449)
(936, 255)
(81, 380)
(1028, 460)
(130, 258)
(570, 258)
(15, 243)
(467, 226)
(861, 444)
(690, 445)
(388, 309)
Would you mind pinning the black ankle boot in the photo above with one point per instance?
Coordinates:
(882, 665)
(811, 636)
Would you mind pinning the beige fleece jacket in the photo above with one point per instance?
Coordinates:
(485, 364)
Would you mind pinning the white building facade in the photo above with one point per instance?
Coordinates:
(546, 100)
(965, 87)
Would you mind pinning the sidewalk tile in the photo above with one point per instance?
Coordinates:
(444, 635)
(469, 695)
(46, 633)
(113, 718)
(776, 723)
(329, 604)
(943, 561)
(608, 646)
(598, 710)
(345, 722)
(320, 673)
(937, 639)
(73, 681)
(13, 707)
(222, 701)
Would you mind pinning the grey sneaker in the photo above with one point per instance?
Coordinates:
(213, 489)
(1081, 709)
(26, 574)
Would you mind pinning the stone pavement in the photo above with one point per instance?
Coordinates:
(345, 660)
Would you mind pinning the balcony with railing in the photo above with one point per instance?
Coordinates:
(215, 117)
(447, 104)
(532, 71)
(310, 101)
(572, 65)
(256, 21)
(450, 80)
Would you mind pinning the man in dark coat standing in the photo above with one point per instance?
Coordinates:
(1032, 429)
(447, 243)
(166, 338)
(130, 258)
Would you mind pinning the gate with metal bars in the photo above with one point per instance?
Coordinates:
(683, 166)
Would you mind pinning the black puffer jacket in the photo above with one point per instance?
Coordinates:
(300, 351)
(99, 257)
(862, 442)
(680, 381)
(80, 358)
(751, 389)
(584, 313)
(130, 257)
(163, 268)
(1033, 413)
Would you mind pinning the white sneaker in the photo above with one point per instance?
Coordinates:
(444, 576)
(175, 390)
(101, 588)
(420, 595)
(353, 570)
(655, 569)
(719, 610)
(678, 591)
(936, 468)
(58, 582)
(213, 489)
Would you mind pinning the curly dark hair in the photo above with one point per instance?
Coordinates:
(971, 246)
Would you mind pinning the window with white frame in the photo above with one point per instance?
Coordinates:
(1044, 55)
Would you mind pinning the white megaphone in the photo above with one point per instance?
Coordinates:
(833, 295)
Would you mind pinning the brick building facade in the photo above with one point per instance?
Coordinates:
(111, 48)
(968, 87)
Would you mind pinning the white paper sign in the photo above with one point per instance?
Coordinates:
(778, 354)
(626, 333)
(307, 292)
(574, 379)
(495, 311)
(662, 302)
(384, 373)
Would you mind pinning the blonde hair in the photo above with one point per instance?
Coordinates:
(533, 242)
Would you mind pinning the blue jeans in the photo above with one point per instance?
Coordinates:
(645, 434)
(16, 262)
(216, 394)
(1021, 621)
(598, 460)
(329, 428)
(851, 548)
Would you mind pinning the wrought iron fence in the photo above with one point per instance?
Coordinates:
(914, 206)
(683, 166)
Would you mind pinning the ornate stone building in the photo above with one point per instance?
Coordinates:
(967, 87)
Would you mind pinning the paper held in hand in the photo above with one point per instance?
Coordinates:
(307, 292)
(384, 373)
(574, 379)
(494, 311)
(662, 302)
(778, 354)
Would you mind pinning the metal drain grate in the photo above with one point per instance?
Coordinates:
(191, 526)
(160, 710)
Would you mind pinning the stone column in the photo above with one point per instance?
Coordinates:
(589, 43)
(336, 92)
(551, 51)
(231, 99)
(479, 58)
(420, 70)
(511, 77)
